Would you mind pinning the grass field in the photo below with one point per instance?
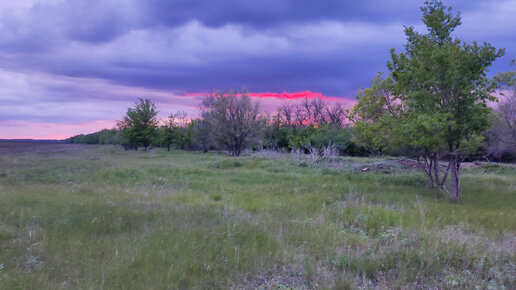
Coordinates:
(104, 218)
(10, 147)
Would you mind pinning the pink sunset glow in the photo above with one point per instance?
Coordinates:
(50, 131)
(109, 113)
(282, 96)
(294, 96)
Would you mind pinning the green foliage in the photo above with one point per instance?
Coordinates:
(105, 136)
(326, 135)
(506, 80)
(434, 101)
(373, 116)
(445, 80)
(140, 123)
(199, 135)
(174, 131)
(279, 136)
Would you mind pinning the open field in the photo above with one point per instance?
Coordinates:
(10, 147)
(103, 218)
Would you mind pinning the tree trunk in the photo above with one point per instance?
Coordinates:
(436, 176)
(428, 167)
(455, 168)
(428, 171)
(436, 170)
(168, 147)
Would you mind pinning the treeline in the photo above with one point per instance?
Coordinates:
(306, 126)
(104, 136)
(234, 122)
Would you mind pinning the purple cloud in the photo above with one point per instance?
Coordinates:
(82, 61)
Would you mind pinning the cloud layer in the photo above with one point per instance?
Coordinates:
(76, 62)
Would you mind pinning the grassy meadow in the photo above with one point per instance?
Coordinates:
(100, 217)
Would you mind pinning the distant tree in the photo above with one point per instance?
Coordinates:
(140, 123)
(277, 131)
(173, 130)
(336, 114)
(200, 136)
(501, 137)
(166, 134)
(433, 102)
(104, 136)
(309, 125)
(500, 143)
(109, 136)
(507, 106)
(314, 111)
(234, 121)
(286, 114)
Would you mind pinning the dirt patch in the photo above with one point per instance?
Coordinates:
(410, 164)
(8, 147)
(280, 277)
(390, 166)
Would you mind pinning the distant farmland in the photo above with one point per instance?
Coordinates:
(13, 147)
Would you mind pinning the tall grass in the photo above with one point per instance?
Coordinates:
(105, 218)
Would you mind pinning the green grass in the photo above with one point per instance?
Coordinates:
(101, 217)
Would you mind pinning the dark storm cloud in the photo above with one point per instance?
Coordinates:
(59, 56)
(269, 13)
(334, 73)
(37, 36)
(101, 21)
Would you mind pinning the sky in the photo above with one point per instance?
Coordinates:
(75, 66)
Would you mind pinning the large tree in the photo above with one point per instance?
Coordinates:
(140, 123)
(433, 102)
(234, 121)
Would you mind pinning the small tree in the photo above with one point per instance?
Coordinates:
(433, 103)
(173, 130)
(140, 123)
(234, 121)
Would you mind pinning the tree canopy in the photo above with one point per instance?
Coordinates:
(433, 103)
(139, 124)
(234, 121)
